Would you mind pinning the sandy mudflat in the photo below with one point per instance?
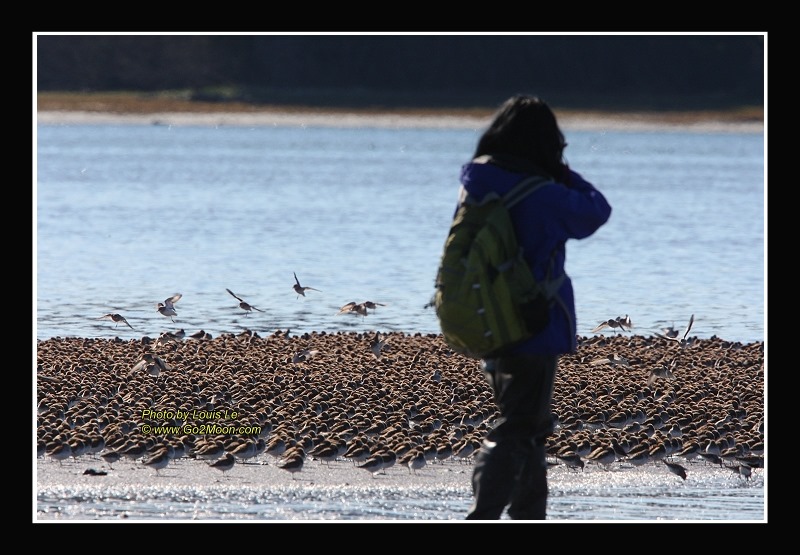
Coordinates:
(57, 108)
(630, 122)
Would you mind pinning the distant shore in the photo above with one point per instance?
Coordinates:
(73, 109)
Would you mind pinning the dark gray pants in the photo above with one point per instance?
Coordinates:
(511, 469)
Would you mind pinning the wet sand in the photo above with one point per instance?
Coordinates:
(108, 108)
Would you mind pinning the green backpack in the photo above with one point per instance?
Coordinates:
(486, 297)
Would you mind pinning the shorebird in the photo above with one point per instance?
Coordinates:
(247, 307)
(353, 308)
(299, 289)
(662, 371)
(223, 464)
(612, 360)
(249, 449)
(158, 460)
(572, 460)
(152, 363)
(164, 338)
(116, 318)
(58, 451)
(603, 455)
(671, 332)
(675, 468)
(742, 470)
(167, 308)
(415, 460)
(376, 345)
(304, 355)
(293, 458)
(373, 465)
(613, 323)
(200, 335)
(359, 308)
(682, 341)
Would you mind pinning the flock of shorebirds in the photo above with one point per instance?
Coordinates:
(167, 307)
(384, 400)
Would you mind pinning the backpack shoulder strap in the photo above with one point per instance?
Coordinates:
(516, 194)
(523, 189)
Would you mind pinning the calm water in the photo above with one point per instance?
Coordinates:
(127, 215)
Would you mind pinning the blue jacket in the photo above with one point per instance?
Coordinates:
(543, 221)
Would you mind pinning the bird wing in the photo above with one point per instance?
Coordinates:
(600, 326)
(620, 360)
(349, 307)
(173, 299)
(689, 327)
(161, 364)
(137, 367)
(234, 295)
(662, 336)
(297, 281)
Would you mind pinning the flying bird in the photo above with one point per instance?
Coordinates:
(353, 308)
(304, 355)
(247, 307)
(116, 318)
(376, 345)
(299, 289)
(614, 323)
(152, 363)
(612, 360)
(167, 308)
(682, 341)
(359, 308)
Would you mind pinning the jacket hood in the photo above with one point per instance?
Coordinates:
(487, 174)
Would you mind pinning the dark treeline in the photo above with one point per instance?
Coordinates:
(659, 72)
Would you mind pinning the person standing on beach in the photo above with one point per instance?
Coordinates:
(524, 139)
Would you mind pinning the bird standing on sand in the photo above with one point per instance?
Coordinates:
(167, 308)
(662, 371)
(247, 307)
(157, 460)
(299, 289)
(116, 318)
(293, 460)
(224, 464)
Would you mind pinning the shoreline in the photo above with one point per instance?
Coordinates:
(351, 119)
(133, 109)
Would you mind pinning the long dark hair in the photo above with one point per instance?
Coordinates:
(525, 128)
